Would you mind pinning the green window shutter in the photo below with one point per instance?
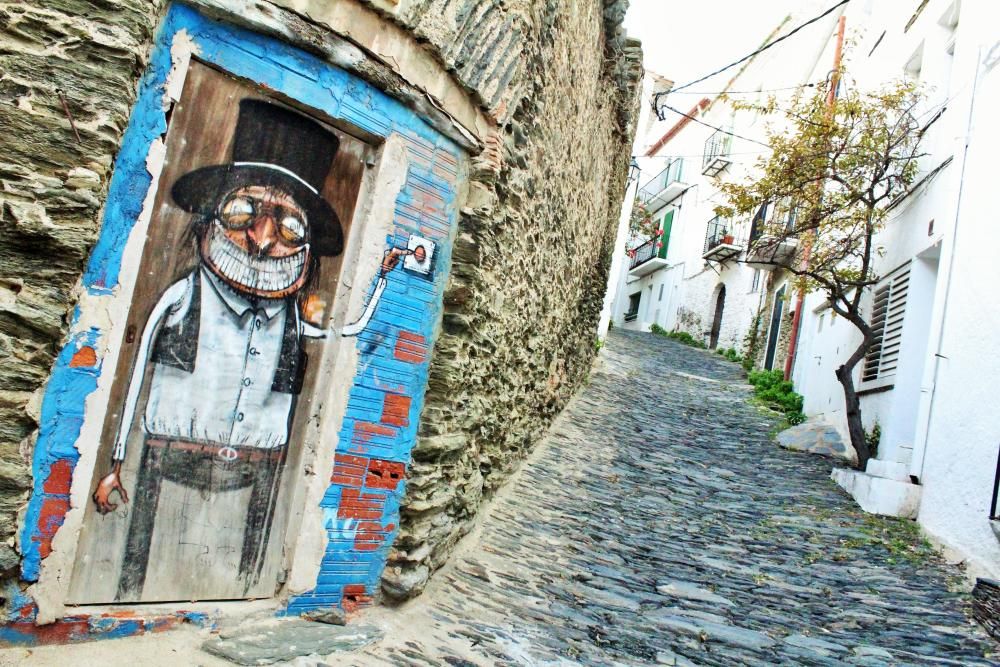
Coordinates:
(668, 221)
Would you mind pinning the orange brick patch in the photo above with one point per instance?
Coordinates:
(349, 470)
(85, 357)
(411, 347)
(59, 479)
(52, 515)
(384, 474)
(363, 506)
(396, 410)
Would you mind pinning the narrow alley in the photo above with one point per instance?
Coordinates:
(658, 523)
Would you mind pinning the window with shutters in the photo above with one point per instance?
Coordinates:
(888, 310)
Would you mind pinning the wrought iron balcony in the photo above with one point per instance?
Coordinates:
(720, 241)
(646, 258)
(664, 187)
(717, 151)
(766, 251)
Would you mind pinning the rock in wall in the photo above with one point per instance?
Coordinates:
(59, 58)
(531, 260)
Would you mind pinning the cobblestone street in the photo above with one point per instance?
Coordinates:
(660, 524)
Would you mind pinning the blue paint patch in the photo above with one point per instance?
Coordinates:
(60, 423)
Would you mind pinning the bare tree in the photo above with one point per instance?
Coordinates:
(832, 178)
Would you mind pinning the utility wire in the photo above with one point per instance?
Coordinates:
(693, 155)
(763, 48)
(719, 129)
(744, 92)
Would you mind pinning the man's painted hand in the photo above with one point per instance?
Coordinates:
(110, 483)
(392, 257)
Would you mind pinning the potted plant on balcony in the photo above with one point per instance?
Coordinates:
(727, 239)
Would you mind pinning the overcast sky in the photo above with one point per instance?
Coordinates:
(686, 40)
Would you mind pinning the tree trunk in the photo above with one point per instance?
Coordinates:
(853, 404)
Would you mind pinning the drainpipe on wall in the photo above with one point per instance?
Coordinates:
(807, 250)
(927, 406)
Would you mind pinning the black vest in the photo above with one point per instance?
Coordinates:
(177, 346)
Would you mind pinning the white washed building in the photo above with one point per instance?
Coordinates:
(929, 381)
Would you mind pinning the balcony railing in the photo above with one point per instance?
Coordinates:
(721, 243)
(664, 186)
(717, 150)
(643, 253)
(767, 250)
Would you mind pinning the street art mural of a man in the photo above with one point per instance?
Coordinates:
(221, 359)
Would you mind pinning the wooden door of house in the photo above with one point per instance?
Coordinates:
(775, 328)
(720, 305)
(207, 413)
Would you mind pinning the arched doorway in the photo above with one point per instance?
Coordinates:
(720, 304)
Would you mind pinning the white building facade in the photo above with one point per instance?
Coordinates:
(928, 381)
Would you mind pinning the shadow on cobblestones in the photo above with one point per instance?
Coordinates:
(660, 525)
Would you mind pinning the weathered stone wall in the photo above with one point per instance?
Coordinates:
(84, 56)
(532, 255)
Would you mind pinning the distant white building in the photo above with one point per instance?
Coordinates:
(929, 382)
(693, 275)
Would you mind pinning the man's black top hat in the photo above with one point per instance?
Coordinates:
(272, 146)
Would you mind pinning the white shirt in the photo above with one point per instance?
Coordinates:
(227, 398)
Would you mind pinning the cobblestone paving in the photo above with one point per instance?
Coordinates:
(660, 525)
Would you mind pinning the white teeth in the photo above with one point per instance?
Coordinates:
(267, 274)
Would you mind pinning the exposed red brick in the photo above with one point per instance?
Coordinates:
(60, 477)
(355, 598)
(85, 357)
(354, 589)
(411, 347)
(51, 516)
(357, 505)
(349, 470)
(369, 537)
(385, 474)
(396, 409)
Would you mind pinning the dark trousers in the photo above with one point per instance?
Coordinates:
(208, 468)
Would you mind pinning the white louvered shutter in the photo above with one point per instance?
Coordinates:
(888, 310)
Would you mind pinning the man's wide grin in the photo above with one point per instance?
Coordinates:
(262, 273)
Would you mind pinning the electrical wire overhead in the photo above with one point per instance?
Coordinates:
(657, 96)
(709, 125)
(747, 92)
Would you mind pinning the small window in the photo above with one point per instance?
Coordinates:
(755, 281)
(822, 319)
(888, 310)
(660, 298)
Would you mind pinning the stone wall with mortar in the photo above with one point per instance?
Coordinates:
(775, 279)
(531, 258)
(58, 59)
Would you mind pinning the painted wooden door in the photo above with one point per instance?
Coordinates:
(775, 328)
(667, 224)
(217, 372)
(720, 305)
